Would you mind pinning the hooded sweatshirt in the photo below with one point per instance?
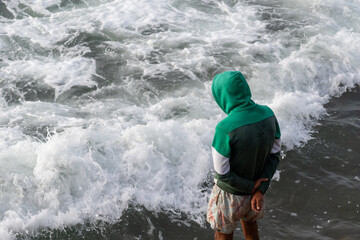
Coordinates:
(246, 144)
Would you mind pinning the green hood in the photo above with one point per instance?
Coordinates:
(231, 91)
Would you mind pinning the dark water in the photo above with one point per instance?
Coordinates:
(320, 182)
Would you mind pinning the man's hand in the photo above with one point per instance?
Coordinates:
(257, 184)
(257, 201)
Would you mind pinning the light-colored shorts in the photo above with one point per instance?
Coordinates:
(225, 210)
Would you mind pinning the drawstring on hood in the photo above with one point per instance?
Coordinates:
(231, 91)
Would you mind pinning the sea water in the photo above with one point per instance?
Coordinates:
(106, 105)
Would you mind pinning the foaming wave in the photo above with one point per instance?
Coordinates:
(300, 68)
(322, 68)
(93, 168)
(95, 173)
(59, 75)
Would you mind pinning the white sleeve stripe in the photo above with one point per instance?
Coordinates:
(221, 163)
(276, 146)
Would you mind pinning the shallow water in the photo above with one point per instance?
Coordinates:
(317, 196)
(107, 116)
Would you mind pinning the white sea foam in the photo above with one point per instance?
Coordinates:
(60, 75)
(143, 137)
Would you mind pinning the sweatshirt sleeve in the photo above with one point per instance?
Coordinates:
(273, 161)
(224, 176)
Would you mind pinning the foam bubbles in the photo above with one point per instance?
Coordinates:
(60, 75)
(297, 113)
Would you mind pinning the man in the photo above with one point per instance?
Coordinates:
(246, 153)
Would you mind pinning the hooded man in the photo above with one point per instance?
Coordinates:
(246, 153)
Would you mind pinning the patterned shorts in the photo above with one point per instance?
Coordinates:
(225, 210)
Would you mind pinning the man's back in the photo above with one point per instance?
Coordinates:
(251, 145)
(246, 153)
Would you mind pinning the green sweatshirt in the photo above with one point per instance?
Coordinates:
(246, 145)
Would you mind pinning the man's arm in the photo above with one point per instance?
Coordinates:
(270, 166)
(225, 176)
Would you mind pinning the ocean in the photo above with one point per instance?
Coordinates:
(107, 116)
